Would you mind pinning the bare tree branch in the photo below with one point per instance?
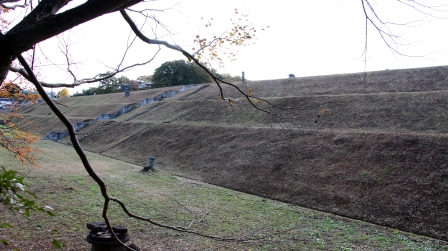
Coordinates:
(180, 229)
(67, 55)
(154, 10)
(425, 9)
(44, 9)
(97, 78)
(13, 7)
(209, 44)
(191, 58)
(34, 28)
(75, 143)
(384, 28)
(8, 1)
(143, 12)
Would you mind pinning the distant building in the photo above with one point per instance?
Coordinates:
(134, 85)
(144, 85)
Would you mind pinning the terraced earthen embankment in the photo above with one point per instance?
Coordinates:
(374, 150)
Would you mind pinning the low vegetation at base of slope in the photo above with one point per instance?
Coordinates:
(61, 182)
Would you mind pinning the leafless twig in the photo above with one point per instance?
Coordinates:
(190, 57)
(384, 28)
(96, 78)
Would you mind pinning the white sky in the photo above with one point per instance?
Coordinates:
(305, 38)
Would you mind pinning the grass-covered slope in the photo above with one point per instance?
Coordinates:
(62, 183)
(368, 146)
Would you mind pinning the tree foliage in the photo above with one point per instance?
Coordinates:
(18, 142)
(145, 78)
(240, 33)
(229, 78)
(179, 72)
(113, 81)
(108, 85)
(64, 93)
(12, 138)
(15, 196)
(10, 90)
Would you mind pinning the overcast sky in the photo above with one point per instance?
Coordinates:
(304, 38)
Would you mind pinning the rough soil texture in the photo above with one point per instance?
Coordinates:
(375, 150)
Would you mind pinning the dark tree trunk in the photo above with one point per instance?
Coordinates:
(4, 64)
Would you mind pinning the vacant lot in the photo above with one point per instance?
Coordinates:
(62, 183)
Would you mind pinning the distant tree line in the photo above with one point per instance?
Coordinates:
(171, 73)
(147, 78)
(227, 77)
(109, 85)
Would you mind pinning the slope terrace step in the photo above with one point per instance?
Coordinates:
(201, 105)
(121, 141)
(194, 92)
(58, 136)
(141, 113)
(94, 131)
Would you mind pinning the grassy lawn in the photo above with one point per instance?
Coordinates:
(61, 182)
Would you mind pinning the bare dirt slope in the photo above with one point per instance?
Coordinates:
(373, 149)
